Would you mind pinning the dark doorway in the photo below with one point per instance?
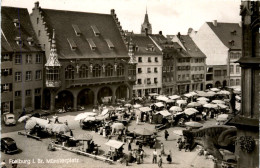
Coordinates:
(105, 95)
(86, 97)
(121, 92)
(37, 102)
(64, 99)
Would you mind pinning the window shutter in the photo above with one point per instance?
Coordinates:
(10, 87)
(10, 71)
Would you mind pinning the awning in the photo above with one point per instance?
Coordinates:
(173, 97)
(162, 98)
(159, 104)
(190, 111)
(170, 101)
(114, 144)
(145, 109)
(164, 113)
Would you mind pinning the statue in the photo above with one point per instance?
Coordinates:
(115, 66)
(213, 138)
(104, 67)
(91, 68)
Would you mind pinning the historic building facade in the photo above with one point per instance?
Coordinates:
(221, 43)
(149, 66)
(247, 121)
(21, 62)
(95, 64)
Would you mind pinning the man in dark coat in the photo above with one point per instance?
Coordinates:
(232, 101)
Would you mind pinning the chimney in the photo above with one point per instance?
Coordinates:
(36, 5)
(160, 32)
(190, 30)
(179, 35)
(215, 23)
(112, 11)
(240, 24)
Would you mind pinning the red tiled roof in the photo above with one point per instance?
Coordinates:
(9, 15)
(63, 22)
(224, 33)
(192, 49)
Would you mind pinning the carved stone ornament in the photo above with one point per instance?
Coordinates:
(246, 143)
(115, 66)
(91, 67)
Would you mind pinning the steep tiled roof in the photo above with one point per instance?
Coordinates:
(88, 23)
(225, 32)
(25, 30)
(144, 43)
(5, 46)
(191, 47)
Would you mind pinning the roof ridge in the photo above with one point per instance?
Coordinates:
(13, 7)
(75, 11)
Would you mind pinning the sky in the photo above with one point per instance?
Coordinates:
(168, 16)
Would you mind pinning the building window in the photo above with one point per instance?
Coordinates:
(120, 70)
(83, 71)
(38, 58)
(18, 76)
(52, 74)
(69, 72)
(109, 70)
(28, 59)
(18, 59)
(148, 70)
(179, 77)
(17, 93)
(139, 70)
(39, 33)
(231, 69)
(37, 20)
(38, 75)
(97, 71)
(237, 69)
(217, 73)
(148, 81)
(225, 72)
(156, 59)
(28, 93)
(237, 81)
(187, 76)
(37, 91)
(6, 57)
(149, 59)
(6, 87)
(155, 80)
(231, 82)
(140, 59)
(139, 81)
(6, 72)
(5, 107)
(28, 76)
(155, 70)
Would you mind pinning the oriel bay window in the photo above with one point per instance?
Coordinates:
(83, 71)
(120, 70)
(52, 74)
(109, 70)
(96, 71)
(69, 72)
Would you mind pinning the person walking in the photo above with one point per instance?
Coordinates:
(129, 145)
(137, 120)
(150, 118)
(66, 123)
(169, 157)
(154, 156)
(166, 134)
(232, 101)
(56, 119)
(162, 149)
(160, 162)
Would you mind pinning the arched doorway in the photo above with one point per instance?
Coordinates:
(86, 97)
(217, 84)
(64, 99)
(122, 92)
(224, 83)
(105, 95)
(46, 99)
(208, 86)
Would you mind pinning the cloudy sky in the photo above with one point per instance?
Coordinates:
(169, 16)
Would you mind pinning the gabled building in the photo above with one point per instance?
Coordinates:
(149, 65)
(95, 64)
(221, 43)
(21, 62)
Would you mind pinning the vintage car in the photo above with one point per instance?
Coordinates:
(9, 119)
(8, 145)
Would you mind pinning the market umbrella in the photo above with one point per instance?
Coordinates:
(215, 89)
(205, 94)
(162, 98)
(118, 126)
(222, 106)
(23, 118)
(218, 101)
(190, 111)
(181, 102)
(211, 92)
(188, 95)
(100, 117)
(238, 106)
(193, 93)
(209, 105)
(115, 144)
(238, 97)
(178, 132)
(60, 128)
(202, 102)
(173, 97)
(81, 116)
(202, 99)
(90, 118)
(104, 112)
(223, 92)
(222, 117)
(137, 105)
(84, 137)
(194, 104)
(30, 124)
(175, 108)
(193, 124)
(143, 131)
(128, 105)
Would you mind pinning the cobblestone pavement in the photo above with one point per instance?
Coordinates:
(32, 150)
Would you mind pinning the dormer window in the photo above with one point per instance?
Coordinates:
(16, 23)
(30, 41)
(91, 44)
(72, 44)
(232, 42)
(110, 44)
(77, 30)
(150, 47)
(19, 41)
(136, 48)
(95, 30)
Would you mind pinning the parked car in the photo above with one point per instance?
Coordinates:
(8, 145)
(9, 119)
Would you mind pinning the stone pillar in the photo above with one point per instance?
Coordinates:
(95, 97)
(52, 105)
(75, 101)
(113, 95)
(130, 91)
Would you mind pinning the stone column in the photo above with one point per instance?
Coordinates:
(130, 91)
(75, 101)
(113, 95)
(95, 96)
(53, 94)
